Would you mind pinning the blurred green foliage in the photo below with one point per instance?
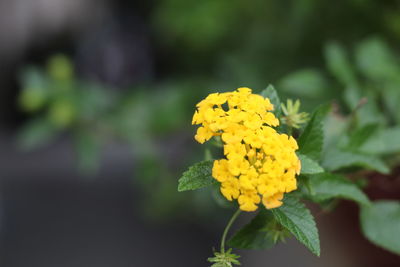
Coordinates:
(95, 116)
(312, 50)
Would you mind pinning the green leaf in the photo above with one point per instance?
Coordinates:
(339, 64)
(361, 135)
(257, 234)
(298, 220)
(352, 96)
(334, 127)
(197, 176)
(309, 166)
(336, 159)
(36, 133)
(370, 112)
(325, 186)
(380, 223)
(271, 93)
(88, 151)
(384, 141)
(305, 83)
(35, 90)
(312, 139)
(391, 98)
(375, 60)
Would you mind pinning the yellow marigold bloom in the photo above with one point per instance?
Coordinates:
(260, 164)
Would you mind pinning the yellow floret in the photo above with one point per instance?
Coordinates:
(274, 201)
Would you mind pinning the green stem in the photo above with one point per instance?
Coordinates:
(228, 226)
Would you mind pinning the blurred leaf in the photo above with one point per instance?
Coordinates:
(375, 60)
(271, 93)
(33, 77)
(88, 150)
(380, 223)
(391, 98)
(94, 101)
(367, 113)
(326, 186)
(207, 154)
(336, 159)
(339, 64)
(32, 98)
(60, 67)
(168, 110)
(62, 112)
(197, 176)
(361, 135)
(256, 234)
(384, 141)
(304, 83)
(176, 20)
(34, 93)
(131, 120)
(36, 133)
(309, 166)
(298, 220)
(352, 96)
(370, 112)
(334, 127)
(312, 139)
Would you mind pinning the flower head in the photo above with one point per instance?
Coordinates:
(260, 164)
(292, 115)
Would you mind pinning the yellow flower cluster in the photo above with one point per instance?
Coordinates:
(260, 163)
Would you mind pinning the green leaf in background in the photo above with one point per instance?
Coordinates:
(352, 96)
(304, 83)
(336, 159)
(62, 112)
(32, 99)
(312, 139)
(361, 135)
(370, 112)
(380, 223)
(94, 100)
(36, 133)
(60, 67)
(88, 151)
(197, 176)
(35, 93)
(326, 186)
(375, 59)
(339, 65)
(384, 141)
(391, 98)
(271, 93)
(309, 166)
(298, 220)
(258, 234)
(334, 127)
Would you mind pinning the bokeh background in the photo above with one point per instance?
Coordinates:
(96, 99)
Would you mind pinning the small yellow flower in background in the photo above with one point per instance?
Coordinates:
(261, 164)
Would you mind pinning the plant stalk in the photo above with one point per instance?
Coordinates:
(228, 226)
